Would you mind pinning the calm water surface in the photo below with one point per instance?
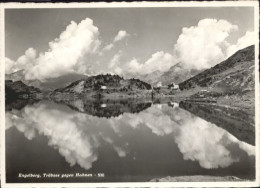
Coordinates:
(122, 141)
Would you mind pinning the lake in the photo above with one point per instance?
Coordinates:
(121, 141)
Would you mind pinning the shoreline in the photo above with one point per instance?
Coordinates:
(244, 102)
(198, 178)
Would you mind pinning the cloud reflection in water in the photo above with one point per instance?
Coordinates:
(77, 136)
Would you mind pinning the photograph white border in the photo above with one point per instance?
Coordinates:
(254, 4)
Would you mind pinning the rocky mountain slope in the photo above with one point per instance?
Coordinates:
(152, 78)
(176, 74)
(236, 74)
(49, 84)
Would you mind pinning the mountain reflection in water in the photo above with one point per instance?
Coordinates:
(108, 108)
(127, 140)
(239, 123)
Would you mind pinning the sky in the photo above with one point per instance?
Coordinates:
(48, 43)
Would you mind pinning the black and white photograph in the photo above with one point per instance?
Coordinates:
(149, 93)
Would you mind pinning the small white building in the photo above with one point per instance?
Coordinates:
(173, 86)
(103, 105)
(173, 104)
(176, 86)
(103, 87)
(159, 84)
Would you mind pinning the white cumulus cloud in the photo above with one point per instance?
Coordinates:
(160, 61)
(198, 47)
(65, 52)
(115, 60)
(243, 42)
(9, 66)
(204, 45)
(120, 35)
(25, 61)
(108, 47)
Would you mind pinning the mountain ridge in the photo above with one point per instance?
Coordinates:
(49, 84)
(235, 73)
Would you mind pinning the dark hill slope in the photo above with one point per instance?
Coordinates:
(236, 74)
(18, 90)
